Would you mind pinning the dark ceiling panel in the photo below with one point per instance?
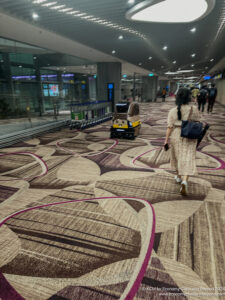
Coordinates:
(134, 49)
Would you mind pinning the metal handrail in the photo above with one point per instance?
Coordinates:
(18, 136)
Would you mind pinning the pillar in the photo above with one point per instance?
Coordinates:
(149, 87)
(173, 87)
(39, 87)
(9, 82)
(109, 73)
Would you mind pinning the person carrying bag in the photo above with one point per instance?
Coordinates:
(183, 148)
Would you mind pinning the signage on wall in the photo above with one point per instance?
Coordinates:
(219, 76)
(110, 91)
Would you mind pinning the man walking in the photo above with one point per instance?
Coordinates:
(202, 97)
(212, 97)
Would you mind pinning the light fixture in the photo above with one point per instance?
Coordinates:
(114, 51)
(65, 9)
(58, 7)
(20, 66)
(171, 73)
(140, 64)
(49, 4)
(170, 11)
(124, 76)
(193, 55)
(184, 71)
(55, 5)
(131, 1)
(35, 16)
(150, 74)
(174, 62)
(165, 48)
(35, 57)
(193, 30)
(192, 65)
(39, 1)
(150, 58)
(120, 37)
(212, 59)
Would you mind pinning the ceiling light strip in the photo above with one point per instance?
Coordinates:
(58, 7)
(85, 16)
(49, 4)
(39, 1)
(221, 23)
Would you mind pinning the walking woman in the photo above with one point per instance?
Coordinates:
(183, 150)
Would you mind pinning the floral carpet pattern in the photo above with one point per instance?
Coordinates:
(85, 217)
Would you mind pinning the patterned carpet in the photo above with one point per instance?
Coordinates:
(85, 217)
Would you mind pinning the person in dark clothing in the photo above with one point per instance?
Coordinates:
(202, 97)
(212, 98)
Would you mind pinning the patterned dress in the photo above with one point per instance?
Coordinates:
(183, 150)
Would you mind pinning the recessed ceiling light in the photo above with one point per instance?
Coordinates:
(114, 51)
(150, 58)
(170, 11)
(206, 68)
(192, 65)
(174, 62)
(140, 64)
(165, 48)
(212, 59)
(193, 55)
(20, 66)
(193, 30)
(35, 57)
(131, 1)
(120, 37)
(35, 16)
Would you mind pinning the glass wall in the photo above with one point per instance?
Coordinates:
(38, 82)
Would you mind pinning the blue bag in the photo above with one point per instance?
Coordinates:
(191, 129)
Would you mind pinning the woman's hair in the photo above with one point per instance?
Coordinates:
(183, 97)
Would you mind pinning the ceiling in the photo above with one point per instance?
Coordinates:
(91, 27)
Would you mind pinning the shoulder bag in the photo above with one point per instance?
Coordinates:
(191, 129)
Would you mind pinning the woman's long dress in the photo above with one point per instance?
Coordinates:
(183, 150)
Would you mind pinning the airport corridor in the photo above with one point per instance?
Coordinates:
(83, 216)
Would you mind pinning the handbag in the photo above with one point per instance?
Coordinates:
(191, 129)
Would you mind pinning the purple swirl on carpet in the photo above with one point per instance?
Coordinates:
(7, 292)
